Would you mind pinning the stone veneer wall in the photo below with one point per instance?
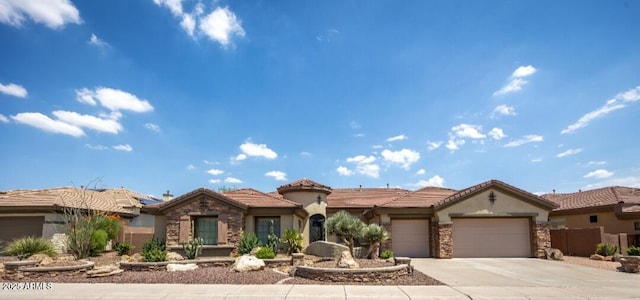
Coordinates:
(444, 245)
(541, 238)
(231, 216)
(388, 244)
(385, 274)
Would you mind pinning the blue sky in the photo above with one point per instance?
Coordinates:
(174, 95)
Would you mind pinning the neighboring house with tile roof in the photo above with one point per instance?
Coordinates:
(616, 209)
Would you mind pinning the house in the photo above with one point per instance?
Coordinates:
(40, 213)
(616, 209)
(491, 219)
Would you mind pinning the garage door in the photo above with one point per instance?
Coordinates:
(16, 227)
(491, 237)
(410, 237)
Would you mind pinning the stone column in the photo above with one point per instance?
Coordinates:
(445, 241)
(542, 238)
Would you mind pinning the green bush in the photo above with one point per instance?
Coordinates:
(633, 251)
(606, 249)
(293, 240)
(154, 250)
(123, 248)
(248, 241)
(193, 248)
(265, 253)
(273, 241)
(28, 246)
(98, 242)
(386, 254)
(111, 225)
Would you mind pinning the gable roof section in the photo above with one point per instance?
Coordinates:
(304, 185)
(362, 197)
(164, 206)
(497, 184)
(424, 197)
(255, 198)
(598, 197)
(120, 200)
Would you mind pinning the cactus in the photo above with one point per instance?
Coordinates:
(193, 248)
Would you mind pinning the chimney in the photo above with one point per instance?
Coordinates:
(361, 187)
(554, 191)
(167, 196)
(387, 186)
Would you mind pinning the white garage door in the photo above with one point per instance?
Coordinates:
(491, 237)
(410, 237)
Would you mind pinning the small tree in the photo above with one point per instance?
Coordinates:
(375, 235)
(293, 240)
(346, 227)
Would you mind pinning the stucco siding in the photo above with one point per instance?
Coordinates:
(608, 220)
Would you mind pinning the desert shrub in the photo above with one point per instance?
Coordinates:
(28, 246)
(386, 254)
(265, 253)
(193, 248)
(123, 248)
(375, 235)
(110, 224)
(154, 250)
(273, 241)
(633, 250)
(98, 242)
(248, 241)
(606, 249)
(293, 240)
(347, 227)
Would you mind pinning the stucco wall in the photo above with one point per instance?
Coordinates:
(608, 220)
(286, 222)
(505, 205)
(309, 201)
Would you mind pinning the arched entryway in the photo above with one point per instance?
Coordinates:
(316, 230)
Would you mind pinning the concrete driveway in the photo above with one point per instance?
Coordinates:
(527, 278)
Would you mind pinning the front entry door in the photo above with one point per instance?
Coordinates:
(316, 231)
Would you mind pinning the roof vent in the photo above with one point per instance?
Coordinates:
(167, 196)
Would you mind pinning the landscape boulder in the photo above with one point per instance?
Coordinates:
(347, 261)
(136, 257)
(42, 259)
(181, 267)
(554, 254)
(104, 271)
(248, 263)
(174, 256)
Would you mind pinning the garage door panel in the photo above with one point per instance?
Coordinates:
(491, 237)
(410, 237)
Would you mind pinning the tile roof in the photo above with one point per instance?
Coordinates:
(119, 200)
(596, 197)
(493, 183)
(424, 197)
(304, 185)
(255, 198)
(362, 197)
(188, 196)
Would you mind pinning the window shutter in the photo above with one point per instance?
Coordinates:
(222, 232)
(185, 229)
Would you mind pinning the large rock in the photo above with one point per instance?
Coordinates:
(181, 267)
(104, 271)
(552, 253)
(136, 257)
(630, 264)
(174, 256)
(596, 257)
(347, 261)
(325, 249)
(42, 259)
(247, 263)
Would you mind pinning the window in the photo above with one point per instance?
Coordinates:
(207, 229)
(262, 228)
(593, 219)
(636, 225)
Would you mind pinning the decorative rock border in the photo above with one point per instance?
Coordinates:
(204, 262)
(381, 274)
(15, 270)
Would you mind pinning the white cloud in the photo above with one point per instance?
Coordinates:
(191, 167)
(517, 80)
(13, 89)
(175, 6)
(436, 181)
(214, 181)
(364, 166)
(433, 145)
(454, 144)
(405, 157)
(96, 147)
(397, 138)
(240, 157)
(3, 119)
(525, 140)
(344, 171)
(371, 170)
(221, 25)
(355, 125)
(96, 41)
(113, 99)
(87, 121)
(52, 13)
(358, 135)
(211, 163)
(536, 160)
(596, 163)
(618, 102)
(600, 174)
(569, 152)
(258, 150)
(468, 131)
(232, 180)
(277, 175)
(377, 146)
(188, 23)
(45, 123)
(215, 172)
(421, 172)
(503, 110)
(125, 147)
(305, 153)
(361, 159)
(497, 134)
(153, 127)
(630, 181)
